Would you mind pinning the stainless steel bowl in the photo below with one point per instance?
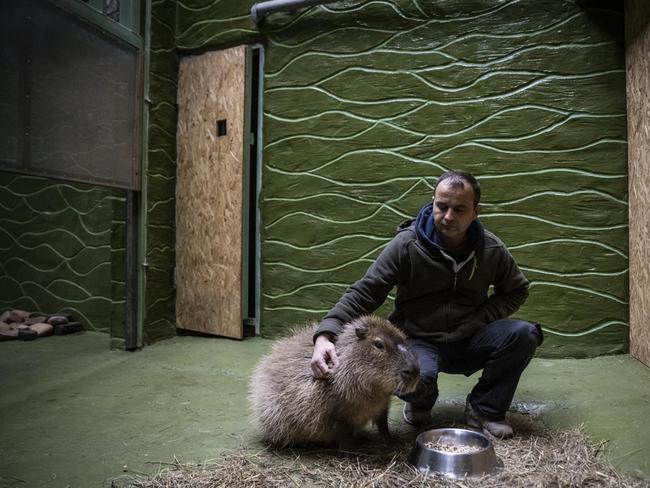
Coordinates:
(429, 460)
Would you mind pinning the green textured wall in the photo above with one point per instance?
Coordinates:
(365, 103)
(58, 249)
(159, 319)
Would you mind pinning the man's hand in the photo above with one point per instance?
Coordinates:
(324, 360)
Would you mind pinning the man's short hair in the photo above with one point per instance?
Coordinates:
(457, 179)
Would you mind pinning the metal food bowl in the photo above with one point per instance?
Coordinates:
(434, 453)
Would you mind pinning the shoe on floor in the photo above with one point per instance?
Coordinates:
(414, 416)
(498, 428)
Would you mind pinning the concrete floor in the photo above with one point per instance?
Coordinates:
(75, 414)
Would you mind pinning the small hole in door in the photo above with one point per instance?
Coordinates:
(221, 128)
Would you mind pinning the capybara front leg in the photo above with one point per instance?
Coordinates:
(345, 436)
(382, 425)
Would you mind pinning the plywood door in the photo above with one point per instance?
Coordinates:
(209, 205)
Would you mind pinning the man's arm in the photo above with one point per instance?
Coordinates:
(363, 297)
(368, 294)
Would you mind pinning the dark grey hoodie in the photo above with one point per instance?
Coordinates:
(438, 299)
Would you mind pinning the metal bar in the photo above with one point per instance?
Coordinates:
(260, 10)
(245, 221)
(144, 172)
(131, 275)
(259, 144)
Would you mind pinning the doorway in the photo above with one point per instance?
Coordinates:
(217, 185)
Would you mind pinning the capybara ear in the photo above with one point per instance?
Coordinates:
(361, 330)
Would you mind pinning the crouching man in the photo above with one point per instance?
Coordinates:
(443, 263)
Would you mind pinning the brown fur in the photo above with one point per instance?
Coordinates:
(292, 407)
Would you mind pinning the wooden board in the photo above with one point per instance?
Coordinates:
(209, 203)
(637, 34)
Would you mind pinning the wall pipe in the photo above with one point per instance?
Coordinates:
(262, 9)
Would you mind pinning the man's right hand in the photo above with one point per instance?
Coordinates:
(324, 360)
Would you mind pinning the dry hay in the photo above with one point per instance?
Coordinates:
(536, 457)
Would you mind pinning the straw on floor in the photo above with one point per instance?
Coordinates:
(536, 457)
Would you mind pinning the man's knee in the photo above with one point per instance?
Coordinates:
(428, 361)
(429, 380)
(525, 335)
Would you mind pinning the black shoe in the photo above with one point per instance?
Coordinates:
(498, 428)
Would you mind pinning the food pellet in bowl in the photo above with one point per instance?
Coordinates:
(451, 448)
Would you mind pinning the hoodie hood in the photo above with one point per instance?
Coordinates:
(425, 229)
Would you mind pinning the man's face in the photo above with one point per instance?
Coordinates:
(454, 211)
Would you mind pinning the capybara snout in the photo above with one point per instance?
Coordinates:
(292, 407)
(409, 372)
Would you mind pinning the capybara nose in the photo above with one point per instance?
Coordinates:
(406, 373)
(410, 372)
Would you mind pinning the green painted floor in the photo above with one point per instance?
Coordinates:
(75, 414)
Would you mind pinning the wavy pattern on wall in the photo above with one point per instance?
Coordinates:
(55, 244)
(210, 24)
(160, 317)
(367, 102)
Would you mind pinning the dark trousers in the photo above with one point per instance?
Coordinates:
(502, 349)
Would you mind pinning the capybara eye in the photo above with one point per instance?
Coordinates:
(379, 344)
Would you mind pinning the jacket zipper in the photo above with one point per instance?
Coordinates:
(457, 267)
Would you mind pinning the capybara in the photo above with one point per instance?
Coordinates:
(292, 407)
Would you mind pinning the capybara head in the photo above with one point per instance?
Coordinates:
(376, 350)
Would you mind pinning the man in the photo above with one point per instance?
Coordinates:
(443, 263)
